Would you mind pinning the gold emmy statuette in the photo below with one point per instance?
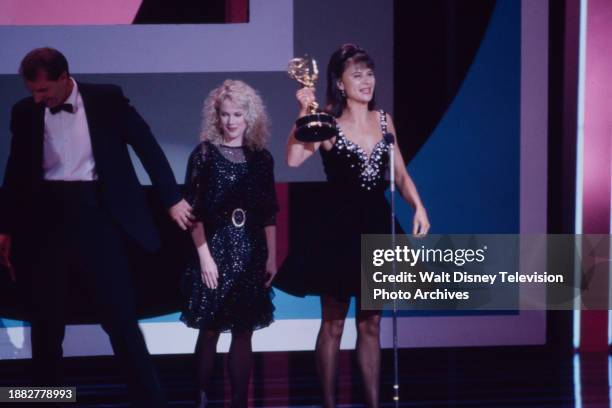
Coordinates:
(317, 125)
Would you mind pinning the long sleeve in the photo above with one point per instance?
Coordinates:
(268, 199)
(138, 134)
(196, 180)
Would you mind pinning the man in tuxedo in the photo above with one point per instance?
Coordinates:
(71, 202)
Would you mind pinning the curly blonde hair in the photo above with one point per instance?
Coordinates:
(257, 123)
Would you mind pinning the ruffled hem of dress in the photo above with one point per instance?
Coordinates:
(198, 323)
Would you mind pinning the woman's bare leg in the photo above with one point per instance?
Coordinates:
(333, 313)
(368, 354)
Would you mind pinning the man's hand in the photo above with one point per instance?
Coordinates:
(181, 214)
(5, 255)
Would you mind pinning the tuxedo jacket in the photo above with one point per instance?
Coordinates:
(113, 125)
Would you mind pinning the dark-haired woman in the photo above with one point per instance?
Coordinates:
(355, 163)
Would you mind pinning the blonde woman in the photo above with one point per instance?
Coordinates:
(230, 184)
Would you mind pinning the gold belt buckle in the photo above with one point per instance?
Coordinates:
(238, 217)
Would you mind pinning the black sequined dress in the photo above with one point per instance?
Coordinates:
(328, 262)
(232, 193)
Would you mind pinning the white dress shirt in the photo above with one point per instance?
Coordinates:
(67, 153)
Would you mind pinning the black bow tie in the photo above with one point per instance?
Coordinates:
(63, 107)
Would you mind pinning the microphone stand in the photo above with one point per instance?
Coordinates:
(390, 139)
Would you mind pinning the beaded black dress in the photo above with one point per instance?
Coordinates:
(328, 261)
(231, 190)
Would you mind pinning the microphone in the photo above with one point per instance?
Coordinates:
(390, 140)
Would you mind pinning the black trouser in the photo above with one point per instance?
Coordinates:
(80, 244)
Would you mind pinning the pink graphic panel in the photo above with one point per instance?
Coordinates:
(68, 12)
(597, 156)
(598, 119)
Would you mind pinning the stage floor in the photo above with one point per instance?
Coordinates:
(489, 378)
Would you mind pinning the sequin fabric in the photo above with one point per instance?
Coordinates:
(352, 164)
(232, 192)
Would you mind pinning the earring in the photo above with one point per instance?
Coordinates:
(342, 93)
